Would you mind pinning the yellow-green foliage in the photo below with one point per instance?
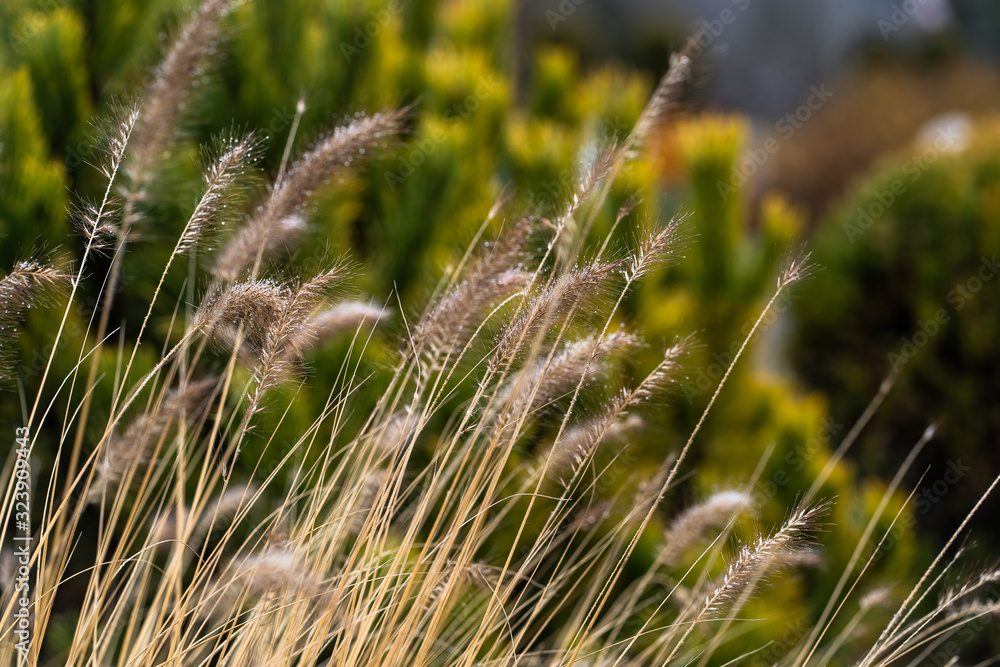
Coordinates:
(910, 285)
(32, 186)
(406, 217)
(768, 428)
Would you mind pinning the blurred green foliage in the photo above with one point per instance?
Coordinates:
(32, 185)
(764, 433)
(909, 284)
(475, 129)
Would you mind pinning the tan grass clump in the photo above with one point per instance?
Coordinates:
(488, 505)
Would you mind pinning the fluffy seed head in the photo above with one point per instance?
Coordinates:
(21, 289)
(171, 86)
(253, 307)
(225, 176)
(656, 248)
(754, 561)
(495, 275)
(280, 219)
(561, 299)
(580, 362)
(346, 316)
(578, 443)
(688, 528)
(668, 96)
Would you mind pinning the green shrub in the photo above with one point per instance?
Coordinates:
(908, 287)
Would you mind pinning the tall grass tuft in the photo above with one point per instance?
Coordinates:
(396, 542)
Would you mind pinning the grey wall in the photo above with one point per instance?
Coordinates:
(766, 53)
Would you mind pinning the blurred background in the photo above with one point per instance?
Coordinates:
(875, 120)
(867, 129)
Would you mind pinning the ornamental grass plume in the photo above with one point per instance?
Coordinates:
(279, 221)
(473, 500)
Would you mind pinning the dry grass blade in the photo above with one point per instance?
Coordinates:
(368, 491)
(559, 300)
(122, 453)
